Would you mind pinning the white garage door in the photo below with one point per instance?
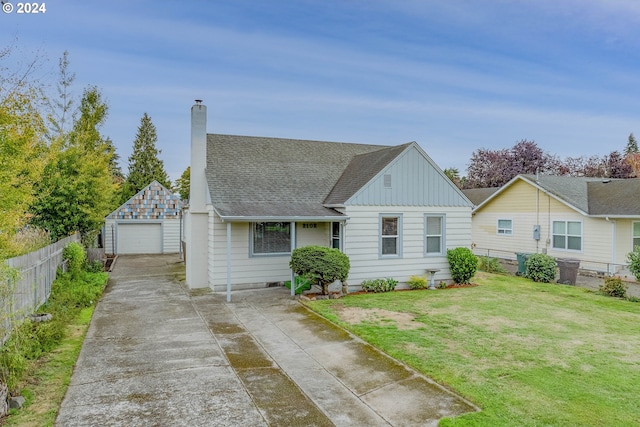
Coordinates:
(142, 238)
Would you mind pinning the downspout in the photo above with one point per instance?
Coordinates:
(611, 270)
(228, 261)
(293, 246)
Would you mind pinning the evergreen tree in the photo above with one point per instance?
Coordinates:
(632, 145)
(183, 184)
(144, 164)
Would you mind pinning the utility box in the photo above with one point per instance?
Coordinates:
(536, 232)
(522, 263)
(568, 270)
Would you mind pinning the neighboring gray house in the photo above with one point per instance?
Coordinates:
(594, 220)
(389, 208)
(147, 223)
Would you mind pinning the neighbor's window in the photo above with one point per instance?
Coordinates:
(505, 227)
(434, 234)
(271, 238)
(390, 229)
(636, 234)
(567, 235)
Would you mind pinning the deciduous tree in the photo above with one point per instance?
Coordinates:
(77, 188)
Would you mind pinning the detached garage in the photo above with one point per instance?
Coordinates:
(148, 223)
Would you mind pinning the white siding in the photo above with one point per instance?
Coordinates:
(171, 236)
(415, 181)
(253, 271)
(361, 242)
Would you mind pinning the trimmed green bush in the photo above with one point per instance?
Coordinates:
(417, 282)
(379, 285)
(463, 264)
(613, 287)
(75, 256)
(633, 258)
(321, 265)
(541, 268)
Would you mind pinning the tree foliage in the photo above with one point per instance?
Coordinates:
(632, 145)
(144, 164)
(77, 189)
(182, 184)
(22, 146)
(321, 265)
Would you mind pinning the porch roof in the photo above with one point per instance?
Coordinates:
(268, 211)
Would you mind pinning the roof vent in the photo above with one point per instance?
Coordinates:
(387, 180)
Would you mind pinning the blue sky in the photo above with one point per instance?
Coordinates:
(454, 75)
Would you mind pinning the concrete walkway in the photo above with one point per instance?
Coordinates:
(159, 355)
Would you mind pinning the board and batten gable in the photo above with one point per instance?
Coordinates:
(411, 186)
(412, 179)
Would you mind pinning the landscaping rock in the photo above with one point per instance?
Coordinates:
(16, 402)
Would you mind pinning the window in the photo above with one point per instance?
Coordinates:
(335, 235)
(390, 231)
(434, 234)
(505, 227)
(271, 238)
(567, 235)
(636, 234)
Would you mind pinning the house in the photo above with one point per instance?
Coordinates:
(148, 223)
(594, 220)
(390, 209)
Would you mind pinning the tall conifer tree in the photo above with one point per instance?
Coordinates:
(144, 164)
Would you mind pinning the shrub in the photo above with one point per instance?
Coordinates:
(541, 268)
(321, 265)
(417, 282)
(490, 265)
(462, 264)
(379, 285)
(94, 266)
(613, 287)
(633, 258)
(75, 256)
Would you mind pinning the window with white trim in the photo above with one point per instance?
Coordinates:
(390, 235)
(270, 238)
(505, 227)
(434, 234)
(636, 235)
(567, 235)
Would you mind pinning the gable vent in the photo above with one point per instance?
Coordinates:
(387, 180)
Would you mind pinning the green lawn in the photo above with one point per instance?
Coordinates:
(528, 354)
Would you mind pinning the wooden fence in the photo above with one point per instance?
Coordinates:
(37, 271)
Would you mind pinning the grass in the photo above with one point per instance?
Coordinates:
(48, 378)
(528, 354)
(38, 360)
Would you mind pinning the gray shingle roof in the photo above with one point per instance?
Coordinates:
(479, 195)
(594, 196)
(276, 177)
(361, 170)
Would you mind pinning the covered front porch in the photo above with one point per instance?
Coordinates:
(254, 252)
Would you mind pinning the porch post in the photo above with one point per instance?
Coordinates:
(228, 261)
(293, 246)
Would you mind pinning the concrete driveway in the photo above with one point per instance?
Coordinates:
(157, 354)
